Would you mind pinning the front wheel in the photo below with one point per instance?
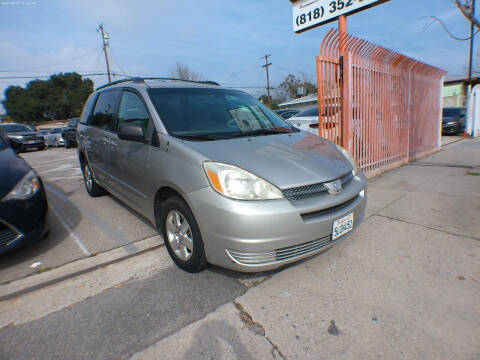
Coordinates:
(182, 236)
(93, 189)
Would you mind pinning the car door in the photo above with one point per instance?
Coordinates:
(130, 159)
(99, 134)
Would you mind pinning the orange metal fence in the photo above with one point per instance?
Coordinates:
(382, 106)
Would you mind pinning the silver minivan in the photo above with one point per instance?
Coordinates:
(223, 178)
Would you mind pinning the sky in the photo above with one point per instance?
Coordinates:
(223, 40)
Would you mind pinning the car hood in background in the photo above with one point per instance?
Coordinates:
(450, 119)
(31, 133)
(285, 160)
(12, 168)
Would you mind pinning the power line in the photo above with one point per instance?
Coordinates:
(46, 66)
(48, 76)
(445, 28)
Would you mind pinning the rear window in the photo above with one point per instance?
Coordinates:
(309, 112)
(452, 112)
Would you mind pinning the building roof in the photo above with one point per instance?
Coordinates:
(450, 78)
(301, 100)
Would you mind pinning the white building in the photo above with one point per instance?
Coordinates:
(301, 103)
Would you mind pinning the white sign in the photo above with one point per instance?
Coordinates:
(311, 13)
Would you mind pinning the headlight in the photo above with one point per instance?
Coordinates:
(349, 158)
(451, 123)
(25, 188)
(239, 184)
(19, 137)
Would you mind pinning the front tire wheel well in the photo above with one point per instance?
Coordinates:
(161, 196)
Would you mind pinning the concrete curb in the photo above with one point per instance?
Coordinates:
(78, 267)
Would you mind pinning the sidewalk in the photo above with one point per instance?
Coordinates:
(406, 285)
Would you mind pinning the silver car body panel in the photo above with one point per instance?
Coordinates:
(232, 230)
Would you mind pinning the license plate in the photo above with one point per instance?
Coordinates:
(342, 226)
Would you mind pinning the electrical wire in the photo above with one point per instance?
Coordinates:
(46, 66)
(435, 19)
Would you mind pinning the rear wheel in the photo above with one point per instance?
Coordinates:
(93, 189)
(182, 236)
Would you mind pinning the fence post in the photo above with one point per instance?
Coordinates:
(347, 134)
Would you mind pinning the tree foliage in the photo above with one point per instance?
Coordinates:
(292, 83)
(62, 96)
(183, 72)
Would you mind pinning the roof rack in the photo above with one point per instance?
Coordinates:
(142, 80)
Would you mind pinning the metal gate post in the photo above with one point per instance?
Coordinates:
(346, 101)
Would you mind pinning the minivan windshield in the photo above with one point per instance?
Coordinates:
(212, 114)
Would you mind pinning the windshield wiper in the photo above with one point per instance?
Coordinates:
(260, 132)
(202, 137)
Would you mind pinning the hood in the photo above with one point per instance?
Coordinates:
(25, 133)
(285, 160)
(12, 168)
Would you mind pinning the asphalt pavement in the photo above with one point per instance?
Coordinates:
(80, 226)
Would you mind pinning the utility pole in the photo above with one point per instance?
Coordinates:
(267, 64)
(105, 43)
(472, 34)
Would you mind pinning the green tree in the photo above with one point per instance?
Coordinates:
(62, 96)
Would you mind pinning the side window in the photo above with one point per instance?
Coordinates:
(132, 110)
(87, 109)
(104, 110)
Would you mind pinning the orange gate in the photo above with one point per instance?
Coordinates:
(380, 105)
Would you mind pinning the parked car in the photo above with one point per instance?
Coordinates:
(69, 133)
(23, 201)
(307, 120)
(43, 133)
(54, 138)
(453, 121)
(223, 178)
(28, 138)
(287, 113)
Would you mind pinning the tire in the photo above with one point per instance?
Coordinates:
(189, 255)
(93, 189)
(67, 144)
(41, 147)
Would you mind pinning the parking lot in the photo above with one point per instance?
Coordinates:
(80, 226)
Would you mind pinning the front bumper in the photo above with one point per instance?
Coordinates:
(451, 129)
(23, 221)
(253, 236)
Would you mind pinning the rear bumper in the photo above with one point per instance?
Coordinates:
(253, 236)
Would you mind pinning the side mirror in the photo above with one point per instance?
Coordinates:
(16, 145)
(131, 132)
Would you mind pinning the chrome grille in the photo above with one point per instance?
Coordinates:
(7, 235)
(309, 191)
(283, 254)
